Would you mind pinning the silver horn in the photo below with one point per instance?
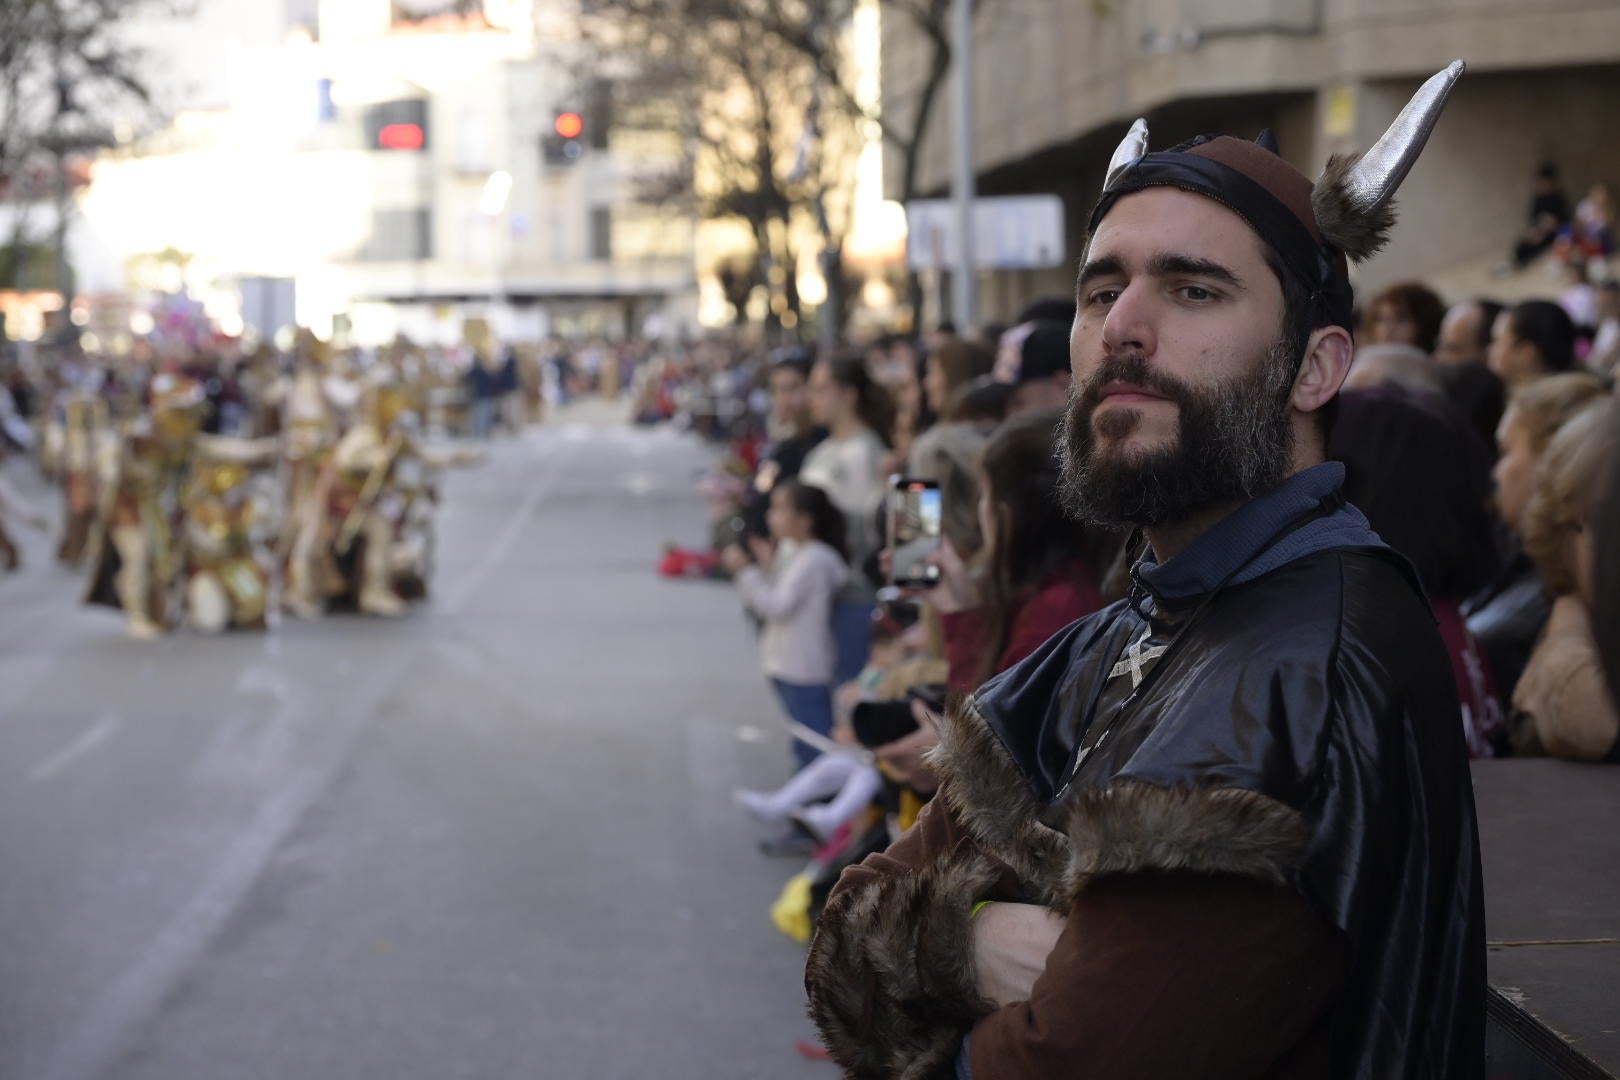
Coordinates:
(1372, 181)
(1133, 146)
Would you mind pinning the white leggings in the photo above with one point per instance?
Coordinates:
(851, 782)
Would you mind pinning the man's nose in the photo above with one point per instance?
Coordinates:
(1129, 325)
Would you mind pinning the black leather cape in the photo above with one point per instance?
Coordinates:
(1323, 685)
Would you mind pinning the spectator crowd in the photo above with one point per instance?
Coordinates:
(1474, 436)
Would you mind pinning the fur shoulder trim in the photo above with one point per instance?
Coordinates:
(1344, 219)
(989, 795)
(1130, 827)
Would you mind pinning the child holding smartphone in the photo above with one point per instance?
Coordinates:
(791, 585)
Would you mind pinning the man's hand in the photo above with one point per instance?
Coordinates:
(1010, 945)
(956, 590)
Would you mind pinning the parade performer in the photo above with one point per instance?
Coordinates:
(135, 558)
(310, 422)
(83, 425)
(369, 538)
(1225, 826)
(15, 435)
(264, 387)
(12, 505)
(228, 526)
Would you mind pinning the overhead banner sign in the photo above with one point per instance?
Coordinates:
(1011, 232)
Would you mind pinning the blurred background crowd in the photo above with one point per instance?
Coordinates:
(1473, 432)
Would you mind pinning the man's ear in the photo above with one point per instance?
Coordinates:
(1327, 361)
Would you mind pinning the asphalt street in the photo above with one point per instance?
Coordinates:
(492, 839)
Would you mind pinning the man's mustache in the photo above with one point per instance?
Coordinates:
(1131, 368)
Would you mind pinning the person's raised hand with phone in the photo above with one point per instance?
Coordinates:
(956, 590)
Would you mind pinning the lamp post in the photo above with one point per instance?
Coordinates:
(964, 282)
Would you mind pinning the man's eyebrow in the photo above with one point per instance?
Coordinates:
(1103, 266)
(1167, 263)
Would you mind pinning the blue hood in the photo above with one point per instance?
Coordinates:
(1240, 547)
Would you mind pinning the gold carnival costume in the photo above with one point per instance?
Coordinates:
(84, 425)
(135, 561)
(228, 525)
(371, 540)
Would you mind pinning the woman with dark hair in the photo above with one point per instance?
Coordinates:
(1530, 340)
(953, 365)
(1478, 396)
(1038, 570)
(791, 432)
(1404, 314)
(847, 465)
(791, 587)
(1424, 482)
(956, 365)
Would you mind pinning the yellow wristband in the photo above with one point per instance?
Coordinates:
(979, 905)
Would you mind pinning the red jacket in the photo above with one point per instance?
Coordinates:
(1476, 687)
(1067, 594)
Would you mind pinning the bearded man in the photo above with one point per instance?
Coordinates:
(1223, 828)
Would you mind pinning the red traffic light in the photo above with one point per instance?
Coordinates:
(570, 125)
(401, 137)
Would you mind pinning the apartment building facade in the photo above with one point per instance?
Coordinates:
(1056, 83)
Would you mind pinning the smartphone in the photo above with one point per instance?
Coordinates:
(930, 694)
(879, 723)
(914, 532)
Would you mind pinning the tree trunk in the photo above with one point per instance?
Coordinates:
(911, 159)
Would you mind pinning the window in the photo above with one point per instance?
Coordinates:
(601, 233)
(599, 113)
(398, 236)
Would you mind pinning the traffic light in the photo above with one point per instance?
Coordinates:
(397, 125)
(564, 144)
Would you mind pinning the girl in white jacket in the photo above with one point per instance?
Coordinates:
(792, 588)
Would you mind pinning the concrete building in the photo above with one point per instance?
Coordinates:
(1058, 81)
(405, 168)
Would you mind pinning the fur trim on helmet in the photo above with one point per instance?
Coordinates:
(1131, 827)
(1344, 223)
(1353, 200)
(891, 978)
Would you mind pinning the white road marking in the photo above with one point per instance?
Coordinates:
(98, 733)
(122, 1005)
(262, 679)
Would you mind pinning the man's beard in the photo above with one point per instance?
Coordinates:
(1234, 441)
